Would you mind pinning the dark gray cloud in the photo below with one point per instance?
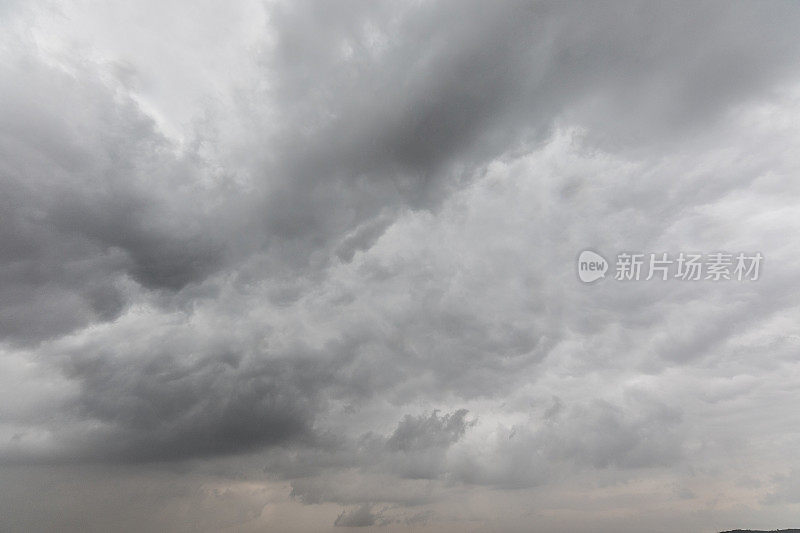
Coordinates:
(167, 410)
(421, 433)
(407, 93)
(85, 204)
(327, 252)
(416, 450)
(360, 517)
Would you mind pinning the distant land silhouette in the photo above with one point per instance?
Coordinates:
(762, 531)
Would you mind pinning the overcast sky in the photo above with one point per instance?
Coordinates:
(303, 266)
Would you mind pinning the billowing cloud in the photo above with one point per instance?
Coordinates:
(298, 266)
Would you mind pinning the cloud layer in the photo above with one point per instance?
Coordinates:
(302, 266)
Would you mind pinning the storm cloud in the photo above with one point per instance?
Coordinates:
(301, 265)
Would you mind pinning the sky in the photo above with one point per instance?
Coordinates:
(303, 266)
